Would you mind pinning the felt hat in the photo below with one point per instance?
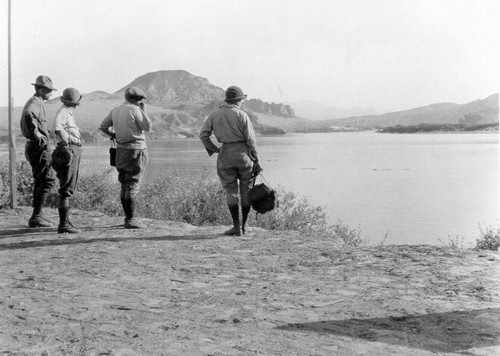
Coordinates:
(44, 81)
(234, 93)
(71, 96)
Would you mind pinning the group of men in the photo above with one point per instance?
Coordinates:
(237, 161)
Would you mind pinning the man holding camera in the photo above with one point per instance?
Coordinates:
(128, 122)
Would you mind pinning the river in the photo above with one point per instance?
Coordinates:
(395, 188)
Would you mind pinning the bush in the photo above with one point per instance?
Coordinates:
(191, 199)
(98, 192)
(489, 238)
(194, 199)
(456, 242)
(24, 183)
(296, 213)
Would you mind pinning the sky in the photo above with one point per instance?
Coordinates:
(385, 55)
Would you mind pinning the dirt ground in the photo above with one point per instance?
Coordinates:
(176, 289)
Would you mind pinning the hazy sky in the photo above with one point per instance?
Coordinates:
(381, 54)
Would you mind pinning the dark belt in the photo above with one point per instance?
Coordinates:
(75, 144)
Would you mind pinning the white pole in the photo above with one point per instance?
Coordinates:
(12, 139)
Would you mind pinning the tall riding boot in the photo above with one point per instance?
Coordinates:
(126, 209)
(123, 201)
(37, 219)
(130, 221)
(235, 215)
(245, 210)
(65, 225)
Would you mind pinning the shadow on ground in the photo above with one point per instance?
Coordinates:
(441, 332)
(70, 239)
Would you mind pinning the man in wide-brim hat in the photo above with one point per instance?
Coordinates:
(34, 128)
(67, 164)
(237, 160)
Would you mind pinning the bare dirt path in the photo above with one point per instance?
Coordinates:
(175, 289)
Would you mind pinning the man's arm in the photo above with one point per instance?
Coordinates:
(249, 134)
(59, 127)
(29, 127)
(205, 134)
(143, 120)
(105, 125)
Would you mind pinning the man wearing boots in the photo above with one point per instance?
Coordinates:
(34, 128)
(67, 138)
(129, 121)
(238, 161)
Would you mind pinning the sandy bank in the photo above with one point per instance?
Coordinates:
(176, 289)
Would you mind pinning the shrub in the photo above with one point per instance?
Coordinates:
(489, 238)
(191, 199)
(194, 199)
(24, 183)
(98, 192)
(348, 235)
(456, 242)
(296, 213)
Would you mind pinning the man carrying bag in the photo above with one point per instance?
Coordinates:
(238, 160)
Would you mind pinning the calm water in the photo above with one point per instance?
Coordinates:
(413, 188)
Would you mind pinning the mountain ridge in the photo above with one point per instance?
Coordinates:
(480, 111)
(179, 102)
(175, 86)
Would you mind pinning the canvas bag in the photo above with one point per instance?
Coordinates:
(262, 197)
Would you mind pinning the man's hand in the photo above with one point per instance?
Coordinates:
(41, 140)
(256, 168)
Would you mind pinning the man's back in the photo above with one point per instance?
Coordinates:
(129, 123)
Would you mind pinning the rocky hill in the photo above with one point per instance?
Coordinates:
(178, 103)
(482, 111)
(174, 86)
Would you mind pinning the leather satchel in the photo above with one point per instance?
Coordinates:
(262, 197)
(112, 154)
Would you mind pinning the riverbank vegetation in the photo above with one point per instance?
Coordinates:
(200, 201)
(193, 199)
(422, 128)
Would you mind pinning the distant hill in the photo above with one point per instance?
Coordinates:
(484, 111)
(187, 100)
(317, 111)
(178, 103)
(174, 86)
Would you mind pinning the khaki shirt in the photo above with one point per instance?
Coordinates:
(229, 124)
(129, 123)
(34, 121)
(65, 123)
